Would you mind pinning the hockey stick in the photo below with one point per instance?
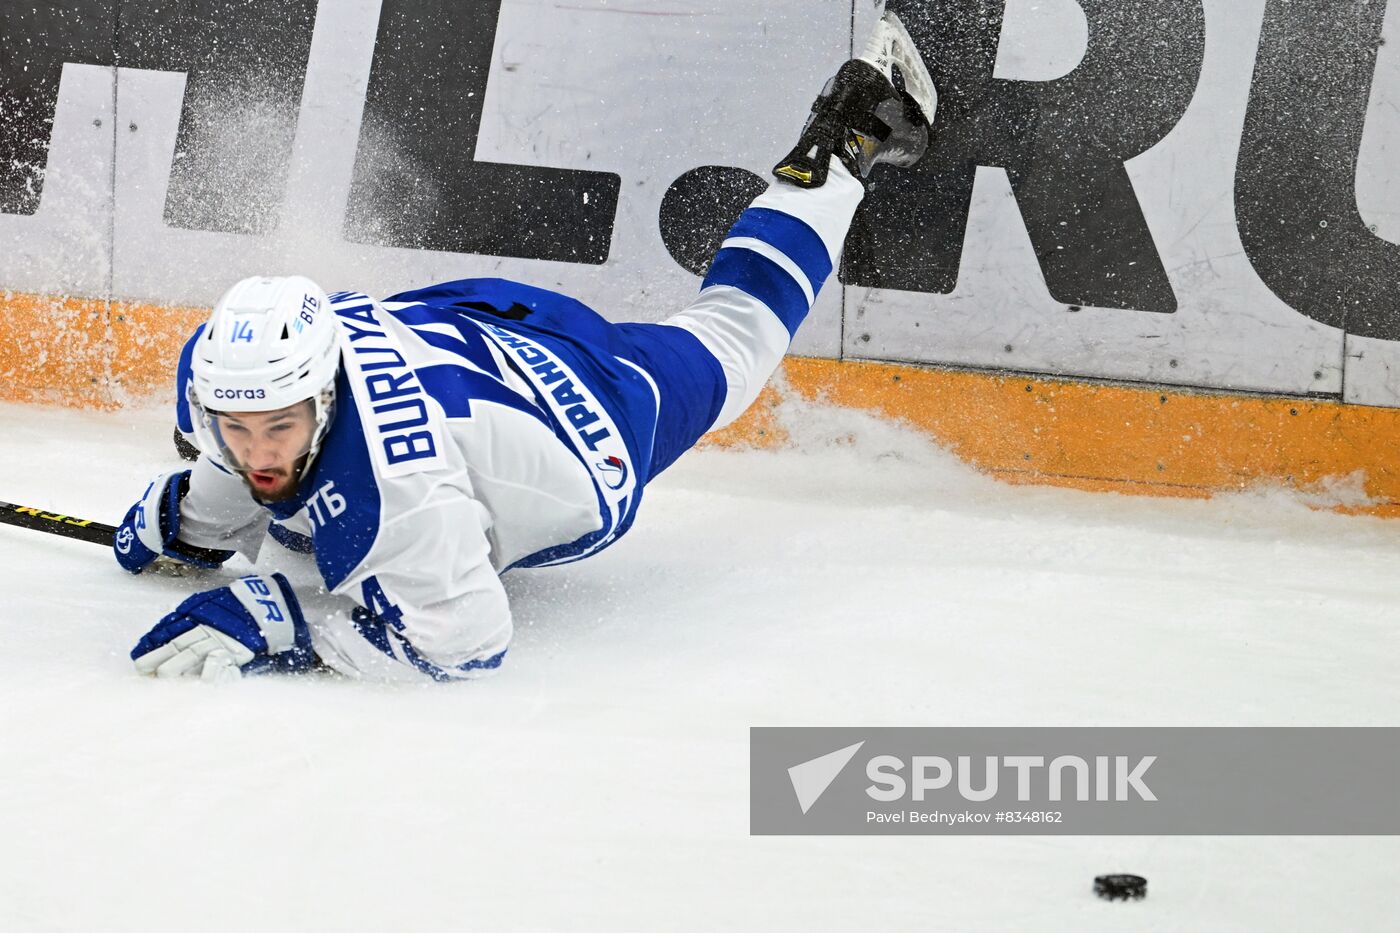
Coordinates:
(65, 526)
(80, 529)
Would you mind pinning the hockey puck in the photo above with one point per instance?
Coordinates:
(1120, 887)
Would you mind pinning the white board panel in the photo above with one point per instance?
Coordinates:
(1372, 365)
(63, 247)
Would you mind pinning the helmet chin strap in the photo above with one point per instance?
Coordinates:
(325, 416)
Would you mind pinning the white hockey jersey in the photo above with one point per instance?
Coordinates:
(460, 448)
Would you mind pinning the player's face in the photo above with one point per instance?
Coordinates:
(267, 446)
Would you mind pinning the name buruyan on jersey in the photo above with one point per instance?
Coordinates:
(388, 388)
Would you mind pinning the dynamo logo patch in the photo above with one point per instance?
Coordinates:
(614, 472)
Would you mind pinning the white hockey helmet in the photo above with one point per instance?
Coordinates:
(270, 343)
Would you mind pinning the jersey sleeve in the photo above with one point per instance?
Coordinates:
(184, 375)
(425, 601)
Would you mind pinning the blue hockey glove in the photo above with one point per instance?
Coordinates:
(152, 526)
(253, 624)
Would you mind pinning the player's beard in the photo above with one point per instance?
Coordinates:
(287, 489)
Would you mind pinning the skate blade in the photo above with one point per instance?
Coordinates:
(167, 567)
(890, 46)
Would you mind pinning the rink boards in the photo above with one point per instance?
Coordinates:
(1128, 199)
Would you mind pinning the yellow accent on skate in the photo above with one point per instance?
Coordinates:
(796, 174)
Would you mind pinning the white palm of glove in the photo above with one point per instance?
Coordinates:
(254, 624)
(203, 652)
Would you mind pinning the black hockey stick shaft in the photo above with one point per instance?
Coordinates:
(65, 526)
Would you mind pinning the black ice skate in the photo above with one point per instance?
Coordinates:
(861, 118)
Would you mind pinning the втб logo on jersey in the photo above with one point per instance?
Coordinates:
(614, 472)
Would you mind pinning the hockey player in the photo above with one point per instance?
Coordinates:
(440, 437)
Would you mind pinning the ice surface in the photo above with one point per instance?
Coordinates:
(600, 782)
